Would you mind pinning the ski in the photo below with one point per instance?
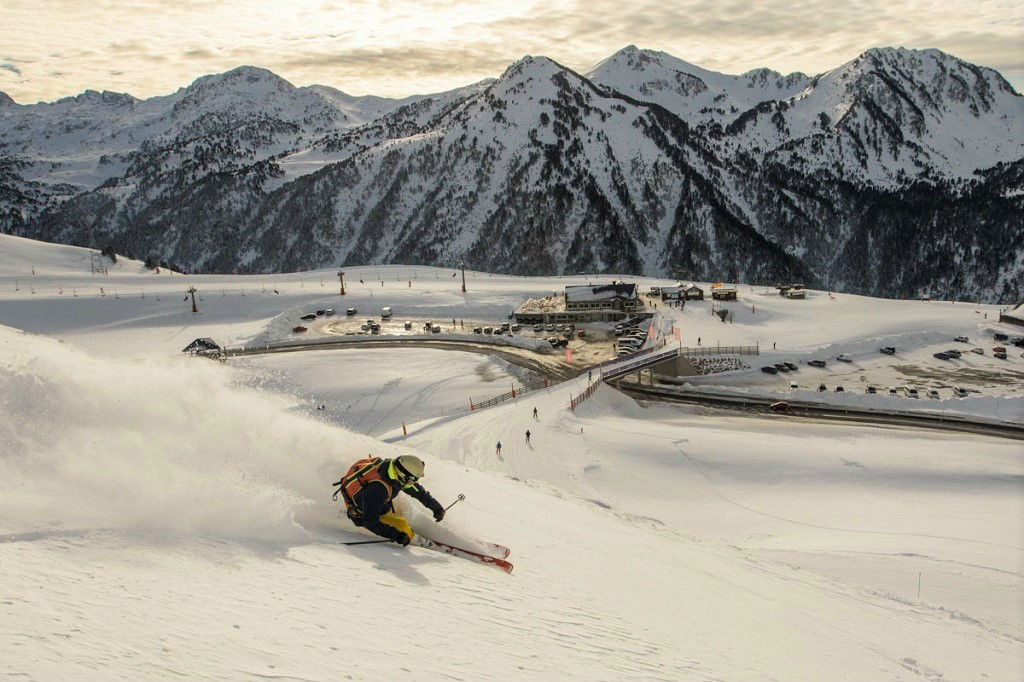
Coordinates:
(493, 548)
(427, 543)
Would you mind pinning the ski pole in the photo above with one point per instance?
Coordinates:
(458, 499)
(365, 542)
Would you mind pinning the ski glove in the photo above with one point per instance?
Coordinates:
(438, 513)
(402, 539)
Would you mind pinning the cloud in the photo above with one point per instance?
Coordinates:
(416, 59)
(197, 53)
(7, 66)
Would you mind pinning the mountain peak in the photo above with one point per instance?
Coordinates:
(246, 77)
(6, 101)
(530, 67)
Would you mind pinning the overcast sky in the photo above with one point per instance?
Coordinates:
(54, 48)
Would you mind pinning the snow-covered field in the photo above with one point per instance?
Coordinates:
(166, 517)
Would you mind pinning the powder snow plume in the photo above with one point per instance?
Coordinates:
(172, 445)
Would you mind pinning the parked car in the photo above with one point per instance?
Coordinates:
(780, 406)
(561, 343)
(940, 356)
(790, 366)
(961, 339)
(550, 328)
(321, 313)
(581, 333)
(1001, 356)
(408, 325)
(839, 389)
(816, 363)
(781, 367)
(488, 330)
(623, 351)
(952, 353)
(1018, 341)
(299, 329)
(768, 369)
(364, 327)
(538, 327)
(979, 351)
(309, 316)
(910, 392)
(515, 327)
(436, 329)
(385, 313)
(792, 384)
(350, 311)
(888, 350)
(1000, 336)
(998, 349)
(843, 357)
(959, 392)
(329, 311)
(893, 391)
(933, 394)
(822, 387)
(871, 389)
(478, 330)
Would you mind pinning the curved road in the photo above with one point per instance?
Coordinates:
(552, 366)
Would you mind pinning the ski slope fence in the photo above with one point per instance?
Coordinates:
(576, 400)
(510, 395)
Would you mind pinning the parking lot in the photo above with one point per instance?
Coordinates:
(948, 370)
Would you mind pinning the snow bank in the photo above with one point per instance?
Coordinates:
(167, 446)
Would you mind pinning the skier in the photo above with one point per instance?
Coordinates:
(535, 413)
(527, 436)
(499, 448)
(370, 487)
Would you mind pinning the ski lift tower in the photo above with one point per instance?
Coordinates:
(341, 278)
(192, 291)
(463, 265)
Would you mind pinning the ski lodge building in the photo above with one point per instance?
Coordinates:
(723, 292)
(584, 303)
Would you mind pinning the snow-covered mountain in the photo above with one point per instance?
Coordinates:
(896, 173)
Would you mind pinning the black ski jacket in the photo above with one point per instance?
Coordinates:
(372, 500)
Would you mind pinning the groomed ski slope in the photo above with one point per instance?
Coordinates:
(162, 517)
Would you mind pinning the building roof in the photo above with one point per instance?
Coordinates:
(1016, 313)
(603, 292)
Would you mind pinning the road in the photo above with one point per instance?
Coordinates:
(807, 410)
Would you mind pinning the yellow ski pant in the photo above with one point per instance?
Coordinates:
(398, 521)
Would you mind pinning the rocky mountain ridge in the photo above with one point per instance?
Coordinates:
(898, 173)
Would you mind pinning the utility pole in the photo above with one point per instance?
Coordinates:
(341, 277)
(463, 277)
(192, 291)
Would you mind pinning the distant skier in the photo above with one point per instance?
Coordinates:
(499, 448)
(535, 413)
(527, 436)
(370, 487)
